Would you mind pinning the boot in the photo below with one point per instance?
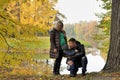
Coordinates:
(56, 69)
(83, 73)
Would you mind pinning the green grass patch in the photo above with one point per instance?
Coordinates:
(31, 43)
(39, 42)
(85, 43)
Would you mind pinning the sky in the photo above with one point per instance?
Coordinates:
(79, 10)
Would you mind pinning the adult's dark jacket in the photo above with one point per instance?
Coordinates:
(55, 42)
(78, 55)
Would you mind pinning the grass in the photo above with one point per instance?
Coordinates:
(90, 76)
(39, 45)
(41, 56)
(33, 43)
(85, 43)
(104, 55)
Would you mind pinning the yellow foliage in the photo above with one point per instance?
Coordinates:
(20, 20)
(22, 71)
(107, 18)
(39, 14)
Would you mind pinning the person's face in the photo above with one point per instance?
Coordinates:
(72, 44)
(59, 27)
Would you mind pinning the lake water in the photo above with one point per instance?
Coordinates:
(95, 63)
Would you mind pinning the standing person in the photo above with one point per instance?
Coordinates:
(57, 40)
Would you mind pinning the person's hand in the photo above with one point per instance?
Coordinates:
(70, 62)
(76, 50)
(55, 50)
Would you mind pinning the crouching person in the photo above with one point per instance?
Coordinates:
(76, 57)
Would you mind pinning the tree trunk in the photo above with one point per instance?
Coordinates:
(113, 60)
